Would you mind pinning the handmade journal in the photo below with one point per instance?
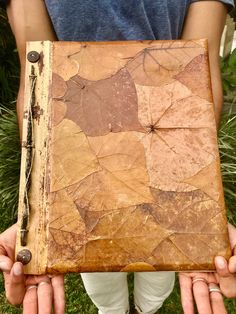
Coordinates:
(120, 165)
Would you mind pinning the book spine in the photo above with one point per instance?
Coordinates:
(31, 247)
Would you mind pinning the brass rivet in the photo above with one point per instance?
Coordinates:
(33, 56)
(24, 256)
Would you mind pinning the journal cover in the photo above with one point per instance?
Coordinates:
(120, 166)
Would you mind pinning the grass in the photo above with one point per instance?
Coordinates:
(9, 167)
(9, 63)
(227, 145)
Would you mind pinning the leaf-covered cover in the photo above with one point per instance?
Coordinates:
(133, 165)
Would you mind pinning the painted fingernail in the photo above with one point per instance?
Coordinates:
(17, 269)
(220, 263)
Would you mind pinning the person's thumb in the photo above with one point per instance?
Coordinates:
(15, 285)
(222, 267)
(227, 281)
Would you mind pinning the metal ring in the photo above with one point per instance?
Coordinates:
(43, 283)
(31, 287)
(214, 288)
(199, 279)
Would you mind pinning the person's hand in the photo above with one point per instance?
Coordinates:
(226, 271)
(204, 289)
(207, 288)
(232, 240)
(38, 294)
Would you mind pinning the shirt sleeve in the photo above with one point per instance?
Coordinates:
(228, 3)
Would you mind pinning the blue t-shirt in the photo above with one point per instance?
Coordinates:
(103, 20)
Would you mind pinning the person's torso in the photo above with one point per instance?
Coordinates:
(103, 20)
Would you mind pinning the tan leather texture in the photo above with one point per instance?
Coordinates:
(133, 175)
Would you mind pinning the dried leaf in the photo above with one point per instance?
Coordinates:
(64, 64)
(201, 85)
(122, 180)
(71, 157)
(96, 106)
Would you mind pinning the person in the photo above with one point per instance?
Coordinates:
(121, 20)
(38, 294)
(50, 292)
(207, 288)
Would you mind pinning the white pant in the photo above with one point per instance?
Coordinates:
(109, 291)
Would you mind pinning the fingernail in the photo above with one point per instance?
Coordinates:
(220, 263)
(3, 266)
(17, 270)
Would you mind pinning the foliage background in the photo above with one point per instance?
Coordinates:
(77, 300)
